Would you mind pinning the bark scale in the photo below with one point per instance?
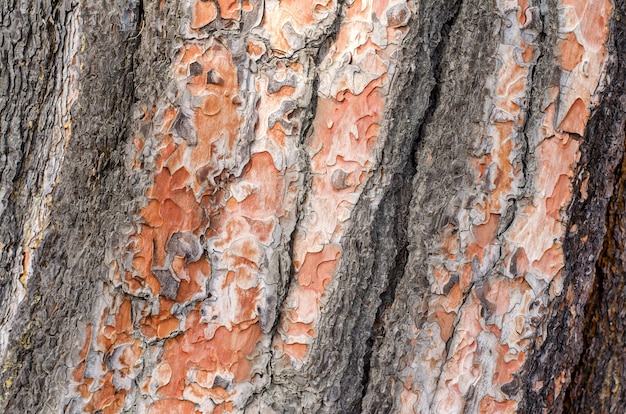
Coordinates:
(278, 206)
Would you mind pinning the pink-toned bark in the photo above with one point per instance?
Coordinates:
(343, 150)
(218, 186)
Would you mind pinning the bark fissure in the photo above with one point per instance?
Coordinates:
(535, 96)
(387, 296)
(595, 309)
(439, 42)
(598, 368)
(565, 360)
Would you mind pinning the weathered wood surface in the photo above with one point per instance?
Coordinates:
(322, 206)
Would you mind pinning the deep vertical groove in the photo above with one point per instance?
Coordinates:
(572, 344)
(402, 193)
(535, 90)
(602, 335)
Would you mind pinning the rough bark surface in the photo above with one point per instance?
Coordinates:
(323, 206)
(597, 379)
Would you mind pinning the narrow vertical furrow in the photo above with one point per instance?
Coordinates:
(399, 380)
(596, 381)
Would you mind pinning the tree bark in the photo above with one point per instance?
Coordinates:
(329, 206)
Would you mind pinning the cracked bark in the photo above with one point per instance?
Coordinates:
(331, 206)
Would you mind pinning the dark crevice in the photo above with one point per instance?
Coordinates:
(401, 198)
(608, 269)
(535, 90)
(399, 201)
(436, 65)
(322, 50)
(576, 322)
(589, 329)
(581, 370)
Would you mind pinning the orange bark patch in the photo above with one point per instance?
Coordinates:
(301, 12)
(484, 235)
(233, 347)
(298, 328)
(152, 214)
(445, 321)
(594, 22)
(170, 406)
(123, 322)
(295, 351)
(578, 5)
(490, 405)
(255, 49)
(204, 12)
(576, 118)
(523, 6)
(350, 117)
(560, 196)
(571, 52)
(318, 267)
(262, 203)
(166, 327)
(107, 398)
(229, 9)
(528, 54)
(197, 272)
(552, 260)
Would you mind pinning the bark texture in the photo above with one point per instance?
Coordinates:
(325, 206)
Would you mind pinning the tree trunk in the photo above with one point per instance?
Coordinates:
(332, 206)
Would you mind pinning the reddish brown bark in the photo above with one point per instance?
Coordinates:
(358, 206)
